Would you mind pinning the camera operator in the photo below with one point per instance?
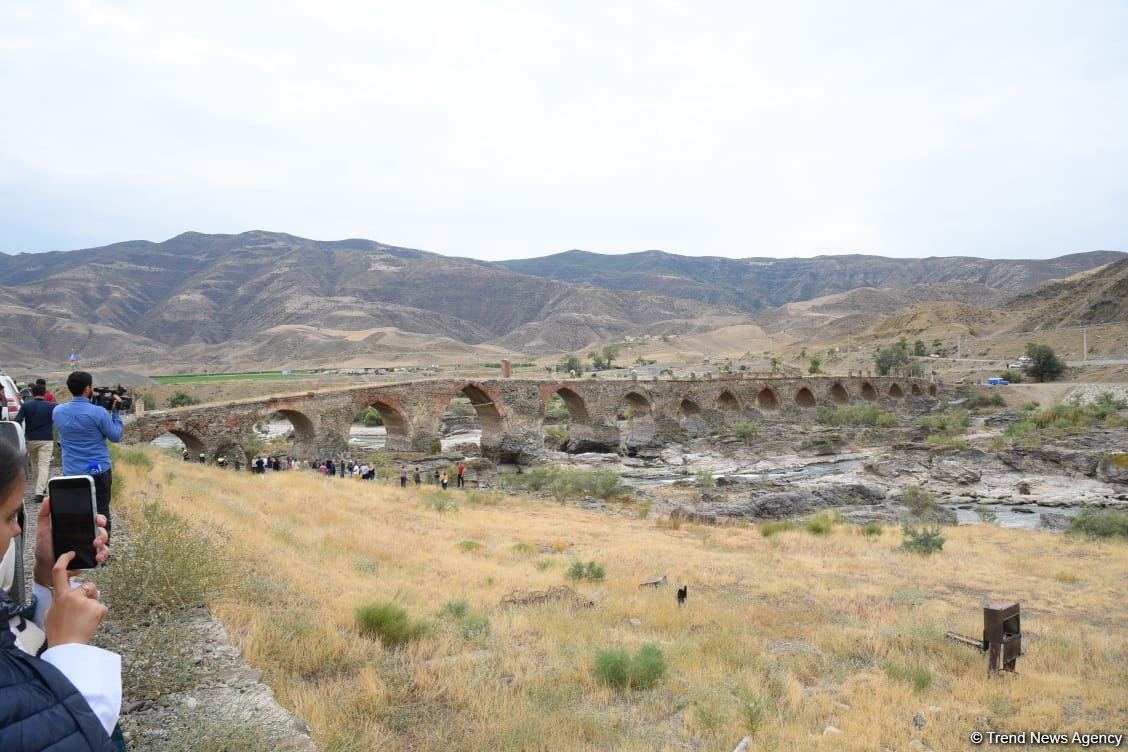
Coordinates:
(83, 429)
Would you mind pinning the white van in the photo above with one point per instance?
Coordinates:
(10, 399)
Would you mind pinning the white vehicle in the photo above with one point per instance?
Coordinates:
(10, 399)
(1016, 365)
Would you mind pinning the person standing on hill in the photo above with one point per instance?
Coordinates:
(444, 481)
(418, 478)
(403, 476)
(458, 479)
(83, 430)
(35, 415)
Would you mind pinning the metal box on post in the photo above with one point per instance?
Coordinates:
(1002, 635)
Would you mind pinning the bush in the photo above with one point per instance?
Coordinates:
(370, 417)
(1014, 377)
(914, 674)
(149, 401)
(705, 479)
(467, 546)
(457, 608)
(591, 571)
(987, 514)
(436, 446)
(616, 668)
(135, 457)
(857, 415)
(1067, 418)
(821, 524)
(768, 529)
(523, 549)
(389, 623)
(925, 541)
(182, 399)
(745, 431)
(566, 482)
(1100, 523)
(474, 625)
(919, 501)
(997, 399)
(872, 530)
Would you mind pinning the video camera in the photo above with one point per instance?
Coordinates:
(104, 396)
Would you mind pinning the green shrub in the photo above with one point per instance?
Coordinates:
(861, 414)
(389, 623)
(768, 529)
(456, 608)
(135, 457)
(919, 501)
(872, 530)
(1100, 523)
(1069, 417)
(705, 479)
(820, 524)
(436, 446)
(467, 546)
(149, 401)
(365, 565)
(182, 399)
(474, 625)
(914, 674)
(997, 399)
(591, 571)
(544, 564)
(523, 549)
(986, 514)
(566, 482)
(440, 501)
(616, 668)
(370, 417)
(745, 431)
(925, 540)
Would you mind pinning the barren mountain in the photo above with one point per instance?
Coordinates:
(754, 284)
(1098, 296)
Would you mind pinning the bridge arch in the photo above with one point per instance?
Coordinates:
(489, 414)
(767, 399)
(396, 425)
(869, 394)
(688, 408)
(838, 393)
(193, 443)
(639, 402)
(933, 390)
(915, 391)
(727, 402)
(896, 392)
(573, 400)
(804, 397)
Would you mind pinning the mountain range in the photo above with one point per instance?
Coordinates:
(267, 299)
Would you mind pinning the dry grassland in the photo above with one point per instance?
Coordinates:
(781, 637)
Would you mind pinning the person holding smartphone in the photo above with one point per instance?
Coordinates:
(69, 695)
(83, 430)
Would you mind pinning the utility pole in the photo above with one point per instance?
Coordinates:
(1084, 343)
(959, 346)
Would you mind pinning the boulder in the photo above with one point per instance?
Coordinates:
(953, 471)
(893, 467)
(1053, 521)
(1113, 467)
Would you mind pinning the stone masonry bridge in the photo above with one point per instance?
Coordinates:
(511, 412)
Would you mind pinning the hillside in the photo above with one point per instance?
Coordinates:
(262, 297)
(1099, 296)
(754, 284)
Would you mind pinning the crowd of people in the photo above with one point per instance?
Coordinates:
(354, 469)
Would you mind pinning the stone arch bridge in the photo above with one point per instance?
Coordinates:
(512, 411)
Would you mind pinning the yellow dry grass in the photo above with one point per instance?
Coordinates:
(781, 637)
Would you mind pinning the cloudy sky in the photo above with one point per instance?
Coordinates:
(507, 130)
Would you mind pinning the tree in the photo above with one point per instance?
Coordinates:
(182, 399)
(610, 352)
(775, 364)
(1044, 364)
(816, 365)
(889, 358)
(573, 364)
(918, 348)
(596, 359)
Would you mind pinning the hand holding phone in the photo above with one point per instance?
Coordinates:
(74, 523)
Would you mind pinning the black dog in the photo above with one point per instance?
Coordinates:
(683, 591)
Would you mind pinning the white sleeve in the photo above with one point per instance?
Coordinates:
(43, 600)
(95, 673)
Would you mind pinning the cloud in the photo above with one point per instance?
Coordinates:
(516, 129)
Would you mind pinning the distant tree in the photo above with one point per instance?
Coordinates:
(182, 399)
(596, 359)
(816, 364)
(889, 358)
(1044, 364)
(573, 364)
(918, 348)
(609, 353)
(775, 364)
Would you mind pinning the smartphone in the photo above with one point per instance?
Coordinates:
(74, 518)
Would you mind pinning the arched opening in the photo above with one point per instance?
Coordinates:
(933, 391)
(235, 456)
(634, 406)
(688, 409)
(283, 433)
(916, 392)
(379, 425)
(728, 403)
(175, 442)
(766, 399)
(869, 394)
(805, 398)
(470, 418)
(895, 392)
(838, 394)
(563, 409)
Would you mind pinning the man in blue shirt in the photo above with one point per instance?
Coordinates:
(83, 429)
(35, 415)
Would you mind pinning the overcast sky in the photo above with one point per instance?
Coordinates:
(506, 130)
